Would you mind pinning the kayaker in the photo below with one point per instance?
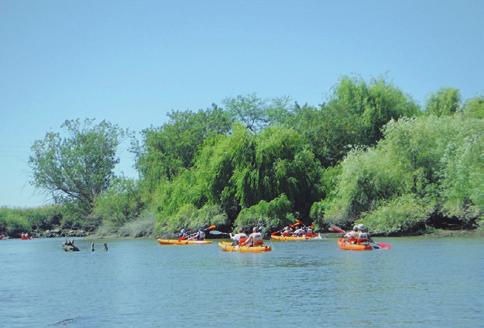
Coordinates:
(254, 239)
(363, 235)
(238, 238)
(183, 234)
(287, 231)
(352, 236)
(309, 231)
(199, 235)
(299, 232)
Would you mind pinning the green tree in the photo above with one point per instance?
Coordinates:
(256, 113)
(430, 162)
(474, 107)
(78, 166)
(167, 150)
(353, 116)
(446, 101)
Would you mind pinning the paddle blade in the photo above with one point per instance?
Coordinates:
(336, 229)
(386, 246)
(217, 233)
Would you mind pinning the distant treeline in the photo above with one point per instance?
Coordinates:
(368, 154)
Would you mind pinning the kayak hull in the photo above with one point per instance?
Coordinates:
(183, 242)
(287, 238)
(353, 247)
(228, 247)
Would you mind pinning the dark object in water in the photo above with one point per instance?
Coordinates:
(70, 247)
(106, 247)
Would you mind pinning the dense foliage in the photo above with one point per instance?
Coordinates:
(427, 170)
(14, 221)
(367, 154)
(120, 203)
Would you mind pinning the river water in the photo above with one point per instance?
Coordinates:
(138, 283)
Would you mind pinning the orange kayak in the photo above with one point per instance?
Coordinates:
(353, 247)
(183, 242)
(284, 238)
(228, 247)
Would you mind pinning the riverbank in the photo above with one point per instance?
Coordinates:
(439, 233)
(145, 229)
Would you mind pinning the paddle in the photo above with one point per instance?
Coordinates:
(383, 245)
(336, 229)
(217, 233)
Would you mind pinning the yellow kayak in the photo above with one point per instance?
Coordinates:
(183, 242)
(283, 238)
(228, 247)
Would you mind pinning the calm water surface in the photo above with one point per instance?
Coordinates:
(138, 283)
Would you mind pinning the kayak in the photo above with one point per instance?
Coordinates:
(228, 247)
(284, 238)
(183, 242)
(353, 247)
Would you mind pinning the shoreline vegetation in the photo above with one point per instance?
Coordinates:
(369, 154)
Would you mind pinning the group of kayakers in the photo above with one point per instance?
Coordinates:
(200, 234)
(358, 235)
(25, 236)
(297, 229)
(253, 239)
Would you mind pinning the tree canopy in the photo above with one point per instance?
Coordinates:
(367, 154)
(77, 166)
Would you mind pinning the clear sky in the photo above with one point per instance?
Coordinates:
(130, 62)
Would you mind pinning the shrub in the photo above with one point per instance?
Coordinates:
(120, 203)
(402, 214)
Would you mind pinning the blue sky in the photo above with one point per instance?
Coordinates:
(131, 62)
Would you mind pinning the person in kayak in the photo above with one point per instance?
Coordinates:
(238, 238)
(199, 235)
(299, 232)
(254, 239)
(183, 234)
(287, 231)
(309, 231)
(352, 236)
(363, 235)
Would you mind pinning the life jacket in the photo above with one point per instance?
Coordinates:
(352, 240)
(362, 238)
(242, 241)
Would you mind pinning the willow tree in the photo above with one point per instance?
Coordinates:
(77, 165)
(168, 150)
(353, 116)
